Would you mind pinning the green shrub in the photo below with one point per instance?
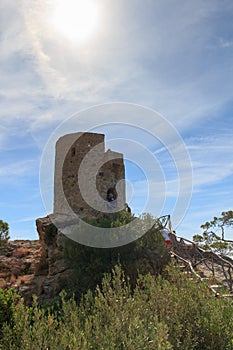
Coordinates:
(195, 319)
(8, 300)
(4, 232)
(161, 313)
(90, 264)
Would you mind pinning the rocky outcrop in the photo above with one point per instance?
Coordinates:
(18, 261)
(35, 267)
(41, 267)
(46, 266)
(53, 266)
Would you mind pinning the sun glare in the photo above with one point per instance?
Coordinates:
(75, 19)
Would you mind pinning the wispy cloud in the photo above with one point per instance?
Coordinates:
(211, 159)
(174, 59)
(226, 43)
(17, 169)
(40, 64)
(25, 219)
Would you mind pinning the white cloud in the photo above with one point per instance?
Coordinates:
(151, 70)
(211, 159)
(225, 43)
(151, 53)
(17, 169)
(26, 219)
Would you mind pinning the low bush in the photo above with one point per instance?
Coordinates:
(161, 313)
(89, 264)
(4, 233)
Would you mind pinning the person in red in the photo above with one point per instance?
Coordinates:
(166, 235)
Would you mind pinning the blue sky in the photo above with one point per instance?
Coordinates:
(175, 57)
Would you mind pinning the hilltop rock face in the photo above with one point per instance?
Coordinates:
(40, 268)
(18, 261)
(35, 267)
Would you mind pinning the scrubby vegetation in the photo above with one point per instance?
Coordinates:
(90, 264)
(118, 305)
(161, 313)
(4, 233)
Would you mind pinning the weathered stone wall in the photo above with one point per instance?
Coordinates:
(84, 171)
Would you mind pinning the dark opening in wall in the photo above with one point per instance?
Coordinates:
(111, 194)
(73, 151)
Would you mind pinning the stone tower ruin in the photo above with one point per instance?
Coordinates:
(86, 176)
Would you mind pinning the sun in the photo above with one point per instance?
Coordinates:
(76, 20)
